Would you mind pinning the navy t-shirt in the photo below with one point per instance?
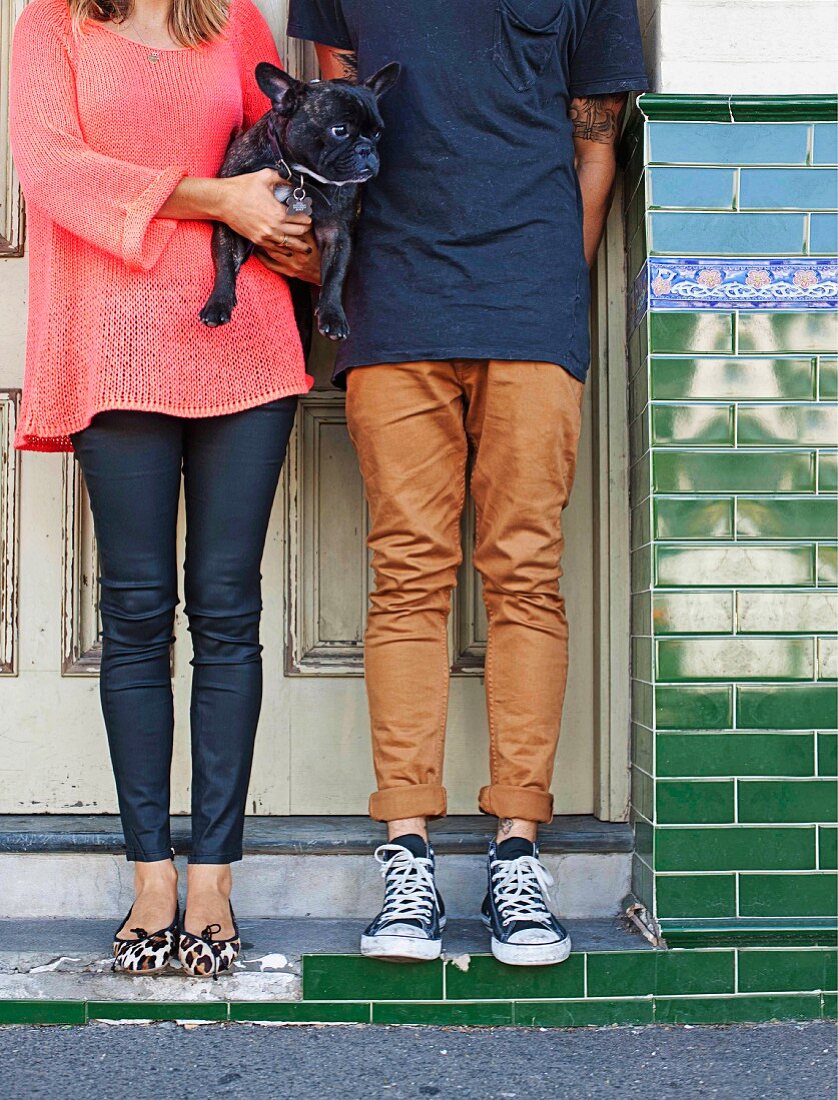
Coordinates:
(470, 240)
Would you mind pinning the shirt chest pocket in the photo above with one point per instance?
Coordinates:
(524, 44)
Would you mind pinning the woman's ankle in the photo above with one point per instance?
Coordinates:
(209, 878)
(155, 898)
(158, 876)
(208, 898)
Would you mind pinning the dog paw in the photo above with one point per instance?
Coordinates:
(332, 322)
(216, 313)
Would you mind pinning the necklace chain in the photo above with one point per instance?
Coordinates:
(153, 52)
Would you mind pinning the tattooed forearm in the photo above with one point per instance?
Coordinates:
(348, 61)
(597, 117)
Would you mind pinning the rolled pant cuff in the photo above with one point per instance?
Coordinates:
(520, 802)
(416, 800)
(232, 856)
(133, 855)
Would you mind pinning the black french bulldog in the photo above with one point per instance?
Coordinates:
(323, 134)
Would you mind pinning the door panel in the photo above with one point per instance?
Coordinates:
(327, 563)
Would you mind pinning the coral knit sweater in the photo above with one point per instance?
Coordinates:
(101, 136)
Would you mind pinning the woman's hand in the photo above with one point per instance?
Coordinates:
(299, 260)
(248, 205)
(284, 242)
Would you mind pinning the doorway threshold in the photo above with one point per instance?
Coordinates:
(306, 835)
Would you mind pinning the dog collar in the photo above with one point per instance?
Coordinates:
(299, 202)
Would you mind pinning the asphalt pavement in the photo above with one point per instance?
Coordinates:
(159, 1061)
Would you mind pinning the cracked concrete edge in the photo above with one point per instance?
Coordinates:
(87, 976)
(173, 987)
(41, 964)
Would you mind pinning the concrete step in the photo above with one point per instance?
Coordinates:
(69, 960)
(68, 865)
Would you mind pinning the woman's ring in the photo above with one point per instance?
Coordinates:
(284, 240)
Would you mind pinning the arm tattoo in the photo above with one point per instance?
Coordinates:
(597, 117)
(349, 64)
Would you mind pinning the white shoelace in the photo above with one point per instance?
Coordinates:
(410, 893)
(520, 886)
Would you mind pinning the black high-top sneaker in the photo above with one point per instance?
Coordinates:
(524, 931)
(410, 923)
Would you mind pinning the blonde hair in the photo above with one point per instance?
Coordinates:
(191, 22)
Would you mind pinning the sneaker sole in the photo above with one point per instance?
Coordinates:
(400, 948)
(531, 954)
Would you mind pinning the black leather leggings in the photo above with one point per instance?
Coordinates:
(132, 464)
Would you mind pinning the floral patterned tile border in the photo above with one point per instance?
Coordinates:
(706, 283)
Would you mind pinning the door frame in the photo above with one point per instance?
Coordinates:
(609, 382)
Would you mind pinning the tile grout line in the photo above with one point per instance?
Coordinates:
(735, 707)
(585, 975)
(736, 894)
(735, 970)
(736, 800)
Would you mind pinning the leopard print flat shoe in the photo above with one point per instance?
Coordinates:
(149, 953)
(204, 956)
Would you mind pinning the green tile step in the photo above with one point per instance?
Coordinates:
(735, 1010)
(749, 933)
(616, 979)
(69, 961)
(627, 1012)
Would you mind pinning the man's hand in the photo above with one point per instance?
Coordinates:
(597, 122)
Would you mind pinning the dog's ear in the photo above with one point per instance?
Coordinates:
(280, 87)
(382, 81)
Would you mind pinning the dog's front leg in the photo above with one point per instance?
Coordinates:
(229, 252)
(335, 246)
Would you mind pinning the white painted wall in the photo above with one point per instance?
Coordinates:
(741, 47)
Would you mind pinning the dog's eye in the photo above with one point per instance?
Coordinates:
(376, 135)
(340, 131)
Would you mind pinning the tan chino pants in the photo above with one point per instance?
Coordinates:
(412, 424)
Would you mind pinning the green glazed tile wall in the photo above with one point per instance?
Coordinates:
(734, 482)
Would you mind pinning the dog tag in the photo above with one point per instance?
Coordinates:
(299, 202)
